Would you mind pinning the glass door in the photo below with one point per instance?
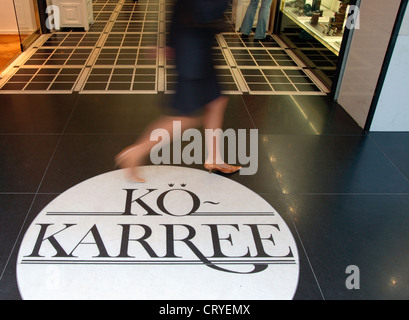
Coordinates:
(316, 30)
(28, 21)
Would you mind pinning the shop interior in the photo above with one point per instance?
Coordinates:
(315, 30)
(19, 28)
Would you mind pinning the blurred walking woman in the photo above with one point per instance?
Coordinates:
(191, 37)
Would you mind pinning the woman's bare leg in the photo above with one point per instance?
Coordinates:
(212, 121)
(133, 156)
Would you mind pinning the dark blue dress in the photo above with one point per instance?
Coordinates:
(197, 82)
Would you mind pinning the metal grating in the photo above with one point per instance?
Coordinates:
(124, 52)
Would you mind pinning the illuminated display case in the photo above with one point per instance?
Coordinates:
(323, 19)
(315, 30)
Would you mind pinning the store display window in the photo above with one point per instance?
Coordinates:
(315, 29)
(323, 19)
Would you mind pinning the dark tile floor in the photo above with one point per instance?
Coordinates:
(343, 193)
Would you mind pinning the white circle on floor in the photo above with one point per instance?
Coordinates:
(185, 234)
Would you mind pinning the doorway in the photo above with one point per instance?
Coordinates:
(317, 32)
(19, 28)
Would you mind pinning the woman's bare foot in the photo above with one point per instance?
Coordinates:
(130, 159)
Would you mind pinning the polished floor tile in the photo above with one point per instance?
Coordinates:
(24, 159)
(332, 164)
(343, 194)
(94, 155)
(14, 208)
(35, 114)
(114, 113)
(308, 115)
(395, 145)
(237, 116)
(308, 286)
(367, 231)
(23, 209)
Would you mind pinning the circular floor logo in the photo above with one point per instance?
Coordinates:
(186, 234)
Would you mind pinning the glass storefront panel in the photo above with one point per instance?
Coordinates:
(28, 21)
(19, 27)
(315, 30)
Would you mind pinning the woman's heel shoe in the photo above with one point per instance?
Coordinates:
(224, 168)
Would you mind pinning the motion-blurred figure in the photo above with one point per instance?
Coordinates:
(197, 90)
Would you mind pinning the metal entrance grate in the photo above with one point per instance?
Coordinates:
(124, 52)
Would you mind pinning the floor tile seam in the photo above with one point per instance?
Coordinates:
(37, 191)
(17, 237)
(66, 134)
(16, 193)
(302, 245)
(248, 112)
(388, 157)
(247, 133)
(30, 133)
(277, 182)
(4, 193)
(313, 135)
(323, 193)
(347, 194)
(290, 215)
(306, 256)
